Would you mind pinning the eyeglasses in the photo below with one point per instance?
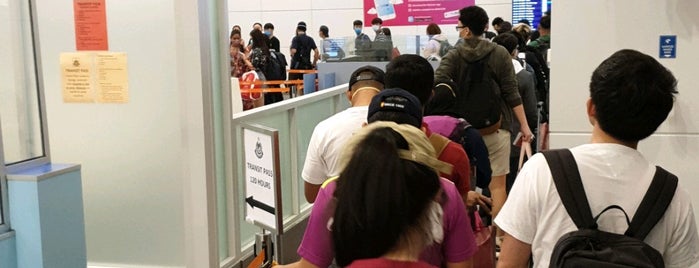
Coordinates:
(459, 28)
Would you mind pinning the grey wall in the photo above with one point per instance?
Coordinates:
(637, 24)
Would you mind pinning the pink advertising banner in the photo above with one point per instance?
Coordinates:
(414, 12)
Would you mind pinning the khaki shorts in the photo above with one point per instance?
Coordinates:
(498, 144)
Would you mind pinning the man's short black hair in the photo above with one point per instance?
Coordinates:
(475, 18)
(376, 21)
(525, 21)
(357, 23)
(268, 26)
(412, 73)
(497, 21)
(505, 26)
(324, 29)
(507, 40)
(633, 94)
(545, 22)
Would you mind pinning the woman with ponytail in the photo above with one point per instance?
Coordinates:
(386, 208)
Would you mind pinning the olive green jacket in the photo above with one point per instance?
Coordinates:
(499, 61)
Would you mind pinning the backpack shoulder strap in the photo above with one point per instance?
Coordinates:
(439, 142)
(566, 177)
(654, 204)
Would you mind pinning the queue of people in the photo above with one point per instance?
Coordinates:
(396, 179)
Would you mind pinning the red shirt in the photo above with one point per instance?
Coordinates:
(455, 155)
(386, 263)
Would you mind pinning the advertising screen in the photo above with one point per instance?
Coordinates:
(414, 12)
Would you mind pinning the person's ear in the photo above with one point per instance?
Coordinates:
(349, 95)
(469, 34)
(365, 124)
(591, 111)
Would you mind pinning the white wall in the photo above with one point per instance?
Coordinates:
(136, 157)
(586, 32)
(337, 15)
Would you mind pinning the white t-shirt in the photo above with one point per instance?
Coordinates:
(612, 174)
(327, 142)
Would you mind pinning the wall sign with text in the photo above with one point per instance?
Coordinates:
(414, 12)
(90, 25)
(262, 178)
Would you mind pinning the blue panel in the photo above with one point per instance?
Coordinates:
(309, 83)
(62, 221)
(8, 253)
(46, 213)
(25, 220)
(326, 81)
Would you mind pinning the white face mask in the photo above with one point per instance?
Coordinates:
(436, 215)
(375, 27)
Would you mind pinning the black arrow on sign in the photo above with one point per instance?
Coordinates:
(255, 203)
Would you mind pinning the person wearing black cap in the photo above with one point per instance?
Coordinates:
(395, 105)
(301, 47)
(329, 136)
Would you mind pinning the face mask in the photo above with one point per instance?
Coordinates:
(375, 28)
(357, 30)
(268, 33)
(436, 216)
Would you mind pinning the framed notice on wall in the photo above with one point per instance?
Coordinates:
(414, 12)
(90, 25)
(262, 178)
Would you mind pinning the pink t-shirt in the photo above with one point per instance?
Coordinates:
(458, 245)
(386, 263)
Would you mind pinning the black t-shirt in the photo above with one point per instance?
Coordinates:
(303, 44)
(274, 43)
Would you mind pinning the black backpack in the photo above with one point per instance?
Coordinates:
(444, 47)
(276, 66)
(479, 98)
(590, 247)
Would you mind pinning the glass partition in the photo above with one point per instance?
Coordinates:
(349, 49)
(20, 103)
(22, 129)
(295, 119)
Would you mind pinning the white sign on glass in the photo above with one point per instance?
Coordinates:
(262, 180)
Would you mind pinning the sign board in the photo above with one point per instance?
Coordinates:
(262, 179)
(90, 77)
(530, 10)
(414, 12)
(90, 25)
(668, 46)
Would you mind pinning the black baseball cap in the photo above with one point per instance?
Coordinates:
(367, 72)
(301, 26)
(397, 100)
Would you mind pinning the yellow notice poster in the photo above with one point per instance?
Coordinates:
(112, 77)
(90, 77)
(76, 72)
